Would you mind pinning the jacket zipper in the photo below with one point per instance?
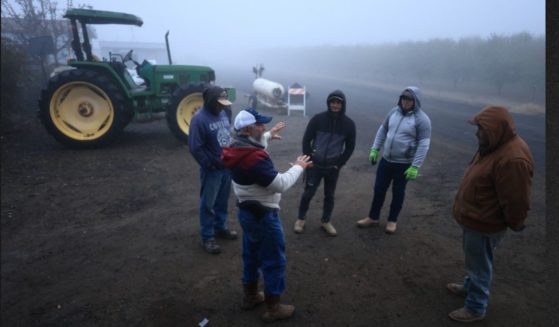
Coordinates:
(396, 131)
(328, 143)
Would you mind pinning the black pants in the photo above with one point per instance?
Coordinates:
(312, 181)
(388, 172)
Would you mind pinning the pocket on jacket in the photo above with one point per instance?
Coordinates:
(411, 149)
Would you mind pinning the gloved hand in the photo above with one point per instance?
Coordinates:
(373, 156)
(411, 173)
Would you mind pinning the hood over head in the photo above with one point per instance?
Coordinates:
(497, 124)
(338, 95)
(214, 95)
(413, 92)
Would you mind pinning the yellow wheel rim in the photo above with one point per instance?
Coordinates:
(81, 111)
(186, 110)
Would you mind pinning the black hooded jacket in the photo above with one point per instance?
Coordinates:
(330, 137)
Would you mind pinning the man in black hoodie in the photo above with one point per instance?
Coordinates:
(329, 140)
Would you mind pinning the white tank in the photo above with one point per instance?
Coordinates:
(268, 88)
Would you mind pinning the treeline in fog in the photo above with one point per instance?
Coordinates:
(511, 66)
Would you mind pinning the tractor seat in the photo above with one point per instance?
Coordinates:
(138, 88)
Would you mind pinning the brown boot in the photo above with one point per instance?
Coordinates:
(252, 296)
(275, 310)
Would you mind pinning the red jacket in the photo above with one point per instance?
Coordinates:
(495, 191)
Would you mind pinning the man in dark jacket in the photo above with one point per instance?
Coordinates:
(329, 140)
(494, 194)
(209, 132)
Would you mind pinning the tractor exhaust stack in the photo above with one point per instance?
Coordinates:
(168, 49)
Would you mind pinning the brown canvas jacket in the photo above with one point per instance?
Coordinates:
(495, 192)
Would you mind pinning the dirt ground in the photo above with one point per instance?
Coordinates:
(109, 237)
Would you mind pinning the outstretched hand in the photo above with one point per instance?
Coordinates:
(303, 161)
(275, 130)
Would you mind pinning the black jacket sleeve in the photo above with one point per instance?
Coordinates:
(308, 137)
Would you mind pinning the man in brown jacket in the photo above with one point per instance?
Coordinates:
(494, 194)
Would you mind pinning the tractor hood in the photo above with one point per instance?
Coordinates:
(183, 68)
(89, 16)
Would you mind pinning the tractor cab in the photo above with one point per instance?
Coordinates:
(118, 62)
(87, 16)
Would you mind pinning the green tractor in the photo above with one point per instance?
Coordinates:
(90, 101)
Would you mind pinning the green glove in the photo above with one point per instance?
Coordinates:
(373, 156)
(411, 173)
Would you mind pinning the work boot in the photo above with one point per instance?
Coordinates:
(299, 226)
(210, 246)
(463, 315)
(390, 227)
(367, 222)
(252, 296)
(330, 230)
(275, 310)
(226, 234)
(457, 289)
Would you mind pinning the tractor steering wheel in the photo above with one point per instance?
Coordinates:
(128, 57)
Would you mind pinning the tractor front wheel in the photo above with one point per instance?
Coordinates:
(82, 109)
(186, 101)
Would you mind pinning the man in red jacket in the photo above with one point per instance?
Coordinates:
(494, 194)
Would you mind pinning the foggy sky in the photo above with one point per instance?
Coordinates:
(211, 27)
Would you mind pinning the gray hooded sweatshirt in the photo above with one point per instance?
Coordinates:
(405, 136)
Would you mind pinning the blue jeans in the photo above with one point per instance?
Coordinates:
(478, 251)
(312, 181)
(214, 198)
(388, 172)
(264, 249)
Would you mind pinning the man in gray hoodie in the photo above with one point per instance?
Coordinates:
(405, 135)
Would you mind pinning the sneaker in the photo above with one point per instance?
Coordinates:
(390, 227)
(456, 289)
(299, 226)
(367, 222)
(210, 246)
(463, 315)
(330, 230)
(226, 234)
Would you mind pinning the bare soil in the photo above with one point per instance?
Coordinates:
(109, 237)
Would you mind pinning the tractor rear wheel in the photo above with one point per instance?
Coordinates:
(82, 109)
(186, 101)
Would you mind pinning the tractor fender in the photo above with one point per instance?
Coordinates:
(107, 70)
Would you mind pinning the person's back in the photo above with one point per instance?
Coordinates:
(258, 187)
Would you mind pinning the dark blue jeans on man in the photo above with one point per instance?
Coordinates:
(478, 258)
(263, 249)
(312, 181)
(214, 199)
(389, 172)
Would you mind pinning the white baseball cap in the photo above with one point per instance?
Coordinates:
(248, 117)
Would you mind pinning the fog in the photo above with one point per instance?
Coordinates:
(214, 32)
